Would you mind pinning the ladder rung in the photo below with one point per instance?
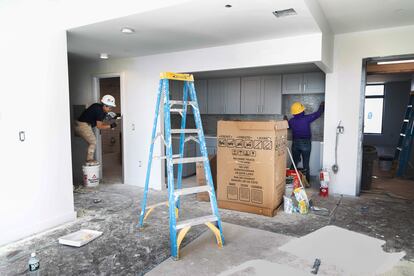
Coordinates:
(165, 157)
(178, 130)
(398, 148)
(178, 110)
(402, 134)
(406, 120)
(192, 190)
(189, 160)
(410, 105)
(182, 102)
(196, 221)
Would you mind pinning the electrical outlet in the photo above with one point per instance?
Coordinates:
(140, 164)
(133, 127)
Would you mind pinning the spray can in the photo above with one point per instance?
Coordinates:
(324, 181)
(34, 265)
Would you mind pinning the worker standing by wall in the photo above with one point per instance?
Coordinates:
(301, 133)
(92, 117)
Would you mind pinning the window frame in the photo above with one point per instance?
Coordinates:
(383, 109)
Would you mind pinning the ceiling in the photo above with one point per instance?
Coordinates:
(201, 24)
(196, 24)
(346, 16)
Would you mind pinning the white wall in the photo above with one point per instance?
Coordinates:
(36, 178)
(142, 77)
(344, 101)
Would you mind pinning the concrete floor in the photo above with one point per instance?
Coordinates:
(125, 250)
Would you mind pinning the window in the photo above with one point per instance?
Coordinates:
(374, 104)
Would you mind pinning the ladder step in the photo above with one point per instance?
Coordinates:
(182, 102)
(406, 120)
(165, 157)
(178, 130)
(196, 221)
(177, 110)
(402, 134)
(398, 148)
(192, 190)
(189, 160)
(410, 105)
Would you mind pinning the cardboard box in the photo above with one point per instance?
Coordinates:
(201, 180)
(251, 165)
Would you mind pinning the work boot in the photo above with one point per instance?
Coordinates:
(91, 163)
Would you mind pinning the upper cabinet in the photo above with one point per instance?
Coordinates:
(306, 83)
(201, 90)
(223, 96)
(261, 95)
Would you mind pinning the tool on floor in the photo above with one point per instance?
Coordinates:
(300, 180)
(178, 229)
(403, 151)
(316, 266)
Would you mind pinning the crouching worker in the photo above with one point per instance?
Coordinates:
(94, 116)
(301, 133)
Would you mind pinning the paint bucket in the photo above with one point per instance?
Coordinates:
(91, 175)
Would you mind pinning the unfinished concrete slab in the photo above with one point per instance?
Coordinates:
(355, 253)
(247, 251)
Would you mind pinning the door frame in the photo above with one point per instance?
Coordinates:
(96, 98)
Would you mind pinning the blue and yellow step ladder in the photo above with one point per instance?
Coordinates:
(178, 229)
(403, 151)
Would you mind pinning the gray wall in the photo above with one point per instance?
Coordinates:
(395, 103)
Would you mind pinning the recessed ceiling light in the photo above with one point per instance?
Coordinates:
(126, 30)
(228, 6)
(104, 56)
(283, 13)
(395, 61)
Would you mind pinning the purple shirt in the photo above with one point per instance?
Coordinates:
(300, 124)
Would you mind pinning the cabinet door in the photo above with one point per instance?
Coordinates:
(215, 96)
(232, 96)
(176, 90)
(250, 95)
(271, 93)
(201, 90)
(292, 84)
(314, 83)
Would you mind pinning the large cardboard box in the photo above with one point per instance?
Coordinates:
(201, 180)
(251, 165)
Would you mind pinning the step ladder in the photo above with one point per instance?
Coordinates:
(405, 141)
(178, 229)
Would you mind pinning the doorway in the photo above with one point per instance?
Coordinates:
(110, 141)
(387, 86)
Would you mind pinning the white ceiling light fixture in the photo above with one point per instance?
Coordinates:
(127, 30)
(395, 61)
(284, 13)
(104, 56)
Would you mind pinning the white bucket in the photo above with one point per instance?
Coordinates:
(91, 175)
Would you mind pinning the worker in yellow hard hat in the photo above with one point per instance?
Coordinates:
(301, 133)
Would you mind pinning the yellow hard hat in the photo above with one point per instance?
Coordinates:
(297, 108)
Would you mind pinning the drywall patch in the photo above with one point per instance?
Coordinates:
(355, 253)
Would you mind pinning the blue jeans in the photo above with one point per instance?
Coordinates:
(302, 147)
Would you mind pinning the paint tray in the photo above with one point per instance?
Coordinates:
(80, 237)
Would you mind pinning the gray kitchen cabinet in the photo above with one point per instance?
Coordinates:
(250, 95)
(304, 83)
(271, 93)
(292, 84)
(223, 96)
(313, 83)
(232, 96)
(261, 95)
(201, 90)
(215, 96)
